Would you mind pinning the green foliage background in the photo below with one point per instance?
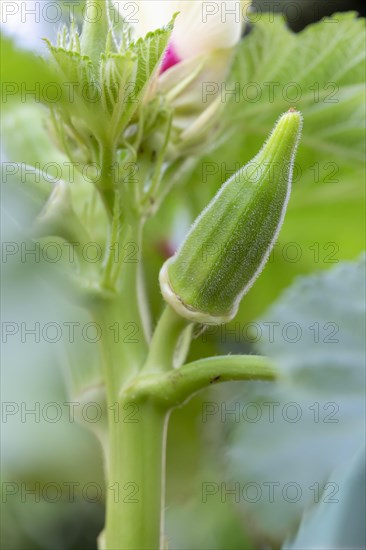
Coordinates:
(327, 207)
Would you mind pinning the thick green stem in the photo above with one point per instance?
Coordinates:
(137, 441)
(142, 388)
(135, 489)
(137, 435)
(123, 345)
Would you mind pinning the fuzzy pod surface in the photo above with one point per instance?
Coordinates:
(231, 240)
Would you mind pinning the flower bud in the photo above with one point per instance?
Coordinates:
(95, 30)
(230, 242)
(197, 59)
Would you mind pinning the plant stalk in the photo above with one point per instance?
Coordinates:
(136, 486)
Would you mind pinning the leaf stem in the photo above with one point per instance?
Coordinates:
(114, 240)
(164, 342)
(106, 183)
(177, 386)
(151, 195)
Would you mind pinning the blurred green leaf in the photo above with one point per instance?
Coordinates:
(37, 447)
(336, 297)
(342, 523)
(193, 457)
(320, 71)
(318, 409)
(22, 71)
(25, 129)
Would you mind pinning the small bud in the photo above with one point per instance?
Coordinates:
(230, 242)
(95, 30)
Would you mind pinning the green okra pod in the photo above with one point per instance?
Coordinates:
(230, 242)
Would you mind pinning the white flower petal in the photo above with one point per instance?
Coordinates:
(183, 85)
(206, 26)
(201, 26)
(146, 15)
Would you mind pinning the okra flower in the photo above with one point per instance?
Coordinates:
(197, 59)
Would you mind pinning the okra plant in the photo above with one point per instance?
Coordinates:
(136, 104)
(143, 108)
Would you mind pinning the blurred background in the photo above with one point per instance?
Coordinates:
(244, 460)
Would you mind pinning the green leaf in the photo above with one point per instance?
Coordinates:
(336, 298)
(34, 165)
(317, 418)
(21, 68)
(106, 97)
(320, 71)
(338, 524)
(74, 67)
(31, 166)
(83, 100)
(116, 82)
(39, 450)
(24, 127)
(149, 52)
